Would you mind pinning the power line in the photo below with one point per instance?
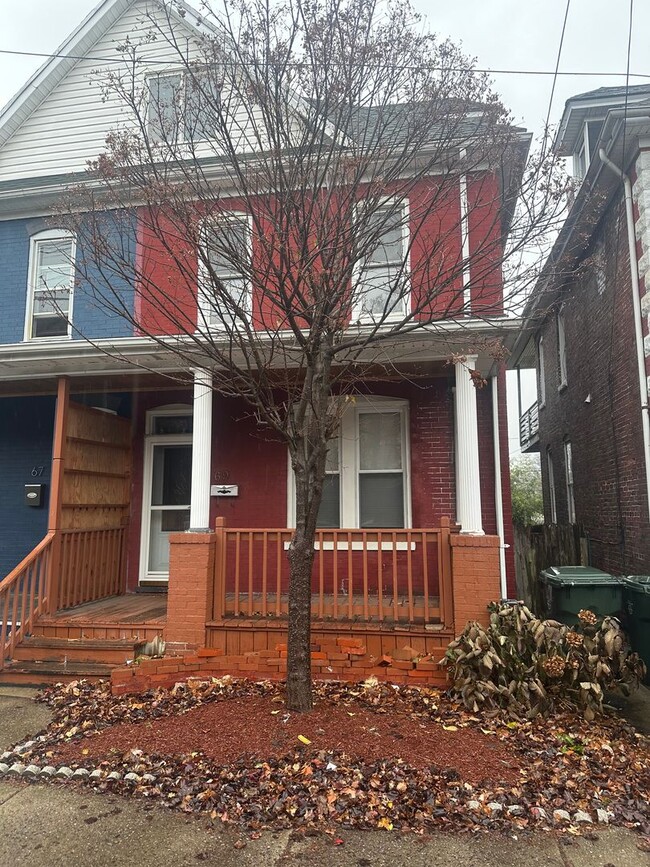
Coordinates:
(557, 64)
(487, 70)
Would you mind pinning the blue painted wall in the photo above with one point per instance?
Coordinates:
(26, 428)
(91, 317)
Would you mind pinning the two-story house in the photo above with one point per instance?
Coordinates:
(586, 332)
(106, 462)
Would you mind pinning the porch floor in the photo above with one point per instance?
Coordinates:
(130, 608)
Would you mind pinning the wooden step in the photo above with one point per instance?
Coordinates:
(97, 631)
(44, 673)
(38, 648)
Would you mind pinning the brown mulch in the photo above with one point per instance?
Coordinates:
(254, 726)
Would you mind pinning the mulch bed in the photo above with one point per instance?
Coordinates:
(370, 755)
(253, 727)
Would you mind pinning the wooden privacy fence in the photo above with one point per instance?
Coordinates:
(23, 596)
(364, 575)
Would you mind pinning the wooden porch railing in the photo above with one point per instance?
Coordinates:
(363, 575)
(90, 565)
(23, 596)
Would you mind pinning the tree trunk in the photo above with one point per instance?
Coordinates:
(301, 558)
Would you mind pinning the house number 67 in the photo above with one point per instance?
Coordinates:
(37, 471)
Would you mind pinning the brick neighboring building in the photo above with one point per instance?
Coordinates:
(580, 335)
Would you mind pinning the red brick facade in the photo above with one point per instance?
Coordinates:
(598, 411)
(244, 454)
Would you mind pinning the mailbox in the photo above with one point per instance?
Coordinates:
(224, 490)
(34, 495)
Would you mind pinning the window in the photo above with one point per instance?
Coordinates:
(382, 286)
(541, 377)
(367, 484)
(568, 464)
(51, 283)
(182, 106)
(551, 486)
(225, 295)
(561, 348)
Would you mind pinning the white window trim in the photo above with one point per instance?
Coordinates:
(541, 382)
(561, 349)
(349, 466)
(358, 316)
(570, 490)
(48, 235)
(204, 305)
(181, 140)
(146, 577)
(551, 485)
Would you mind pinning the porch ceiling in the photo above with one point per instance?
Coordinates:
(32, 367)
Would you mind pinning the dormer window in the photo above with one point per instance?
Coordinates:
(51, 284)
(586, 147)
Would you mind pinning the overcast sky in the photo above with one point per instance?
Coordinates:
(501, 34)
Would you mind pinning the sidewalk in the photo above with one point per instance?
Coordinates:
(52, 825)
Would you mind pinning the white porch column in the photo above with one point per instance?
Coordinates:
(468, 485)
(201, 452)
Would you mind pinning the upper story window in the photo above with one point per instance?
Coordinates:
(586, 147)
(541, 375)
(367, 479)
(561, 348)
(382, 286)
(182, 106)
(225, 288)
(51, 284)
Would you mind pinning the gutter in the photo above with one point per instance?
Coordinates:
(498, 489)
(636, 306)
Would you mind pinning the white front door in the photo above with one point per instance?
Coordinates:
(167, 486)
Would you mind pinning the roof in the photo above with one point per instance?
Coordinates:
(593, 105)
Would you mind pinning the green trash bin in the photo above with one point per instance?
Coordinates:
(636, 595)
(570, 588)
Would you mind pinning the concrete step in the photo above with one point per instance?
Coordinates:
(38, 648)
(44, 673)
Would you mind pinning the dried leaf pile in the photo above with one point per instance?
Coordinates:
(527, 666)
(564, 763)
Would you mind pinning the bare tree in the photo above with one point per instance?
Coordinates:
(337, 134)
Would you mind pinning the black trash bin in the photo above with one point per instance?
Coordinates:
(568, 589)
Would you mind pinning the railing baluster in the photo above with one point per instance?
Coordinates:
(380, 580)
(395, 587)
(425, 574)
(364, 548)
(237, 570)
(265, 557)
(320, 553)
(409, 573)
(350, 579)
(250, 573)
(335, 574)
(278, 574)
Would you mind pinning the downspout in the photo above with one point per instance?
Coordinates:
(498, 489)
(636, 306)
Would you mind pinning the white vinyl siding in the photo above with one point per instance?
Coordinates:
(70, 126)
(51, 285)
